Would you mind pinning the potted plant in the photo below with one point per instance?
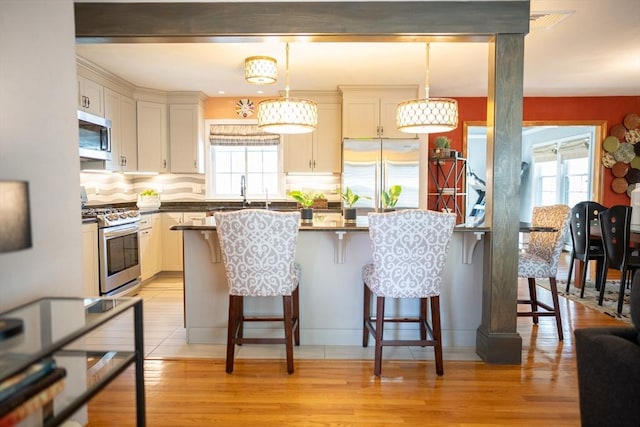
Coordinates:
(350, 198)
(390, 197)
(305, 199)
(442, 147)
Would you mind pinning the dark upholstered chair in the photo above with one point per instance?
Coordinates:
(585, 248)
(609, 371)
(615, 224)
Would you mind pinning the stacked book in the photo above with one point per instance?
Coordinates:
(29, 390)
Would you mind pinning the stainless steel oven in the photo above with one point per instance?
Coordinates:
(119, 255)
(118, 251)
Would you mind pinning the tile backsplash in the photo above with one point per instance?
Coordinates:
(120, 188)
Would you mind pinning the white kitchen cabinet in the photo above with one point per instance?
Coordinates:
(150, 245)
(320, 150)
(121, 110)
(90, 96)
(129, 135)
(90, 260)
(172, 259)
(152, 137)
(370, 112)
(186, 138)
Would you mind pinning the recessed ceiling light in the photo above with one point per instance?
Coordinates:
(220, 92)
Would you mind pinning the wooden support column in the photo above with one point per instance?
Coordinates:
(497, 339)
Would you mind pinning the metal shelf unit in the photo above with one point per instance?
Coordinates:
(448, 175)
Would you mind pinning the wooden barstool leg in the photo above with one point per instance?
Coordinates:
(377, 367)
(533, 297)
(423, 319)
(231, 329)
(366, 315)
(288, 330)
(556, 306)
(437, 333)
(296, 315)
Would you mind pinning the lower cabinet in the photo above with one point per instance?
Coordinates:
(172, 258)
(171, 242)
(150, 246)
(90, 260)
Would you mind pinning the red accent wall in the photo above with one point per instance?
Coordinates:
(612, 109)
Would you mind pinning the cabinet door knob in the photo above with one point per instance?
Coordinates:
(164, 163)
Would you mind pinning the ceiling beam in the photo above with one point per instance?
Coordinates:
(313, 21)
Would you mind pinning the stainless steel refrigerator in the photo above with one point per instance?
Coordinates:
(370, 166)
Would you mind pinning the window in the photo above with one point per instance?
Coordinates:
(568, 159)
(258, 164)
(243, 150)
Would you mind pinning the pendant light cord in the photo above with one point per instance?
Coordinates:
(286, 74)
(426, 86)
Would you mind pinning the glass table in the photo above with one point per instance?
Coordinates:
(62, 329)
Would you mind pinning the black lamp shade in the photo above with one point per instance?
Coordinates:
(15, 218)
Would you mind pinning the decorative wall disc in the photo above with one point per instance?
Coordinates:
(624, 153)
(611, 144)
(244, 108)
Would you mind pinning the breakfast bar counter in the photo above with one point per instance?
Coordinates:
(331, 255)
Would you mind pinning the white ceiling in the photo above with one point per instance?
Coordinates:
(594, 51)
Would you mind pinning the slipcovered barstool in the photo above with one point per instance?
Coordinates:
(541, 260)
(409, 252)
(258, 250)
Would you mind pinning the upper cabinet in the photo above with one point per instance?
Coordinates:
(319, 151)
(121, 110)
(90, 96)
(370, 111)
(186, 139)
(152, 137)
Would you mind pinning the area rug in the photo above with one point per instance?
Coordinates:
(609, 304)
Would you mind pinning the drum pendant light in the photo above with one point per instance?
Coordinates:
(428, 115)
(287, 115)
(260, 70)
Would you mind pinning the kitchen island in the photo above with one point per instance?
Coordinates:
(331, 290)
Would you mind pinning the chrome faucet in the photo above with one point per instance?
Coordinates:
(243, 190)
(266, 198)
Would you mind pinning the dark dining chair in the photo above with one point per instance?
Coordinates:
(615, 224)
(585, 248)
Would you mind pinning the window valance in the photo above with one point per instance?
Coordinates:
(241, 135)
(574, 149)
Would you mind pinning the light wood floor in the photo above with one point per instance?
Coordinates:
(543, 390)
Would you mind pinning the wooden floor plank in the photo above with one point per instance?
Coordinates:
(543, 390)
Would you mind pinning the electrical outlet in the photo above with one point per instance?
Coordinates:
(197, 188)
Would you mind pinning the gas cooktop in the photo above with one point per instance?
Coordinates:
(109, 217)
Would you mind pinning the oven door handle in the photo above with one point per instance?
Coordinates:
(111, 233)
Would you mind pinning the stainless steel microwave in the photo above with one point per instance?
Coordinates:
(95, 136)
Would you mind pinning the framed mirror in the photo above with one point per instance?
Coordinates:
(561, 163)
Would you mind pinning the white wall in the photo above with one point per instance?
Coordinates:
(38, 143)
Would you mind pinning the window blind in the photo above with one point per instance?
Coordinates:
(234, 135)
